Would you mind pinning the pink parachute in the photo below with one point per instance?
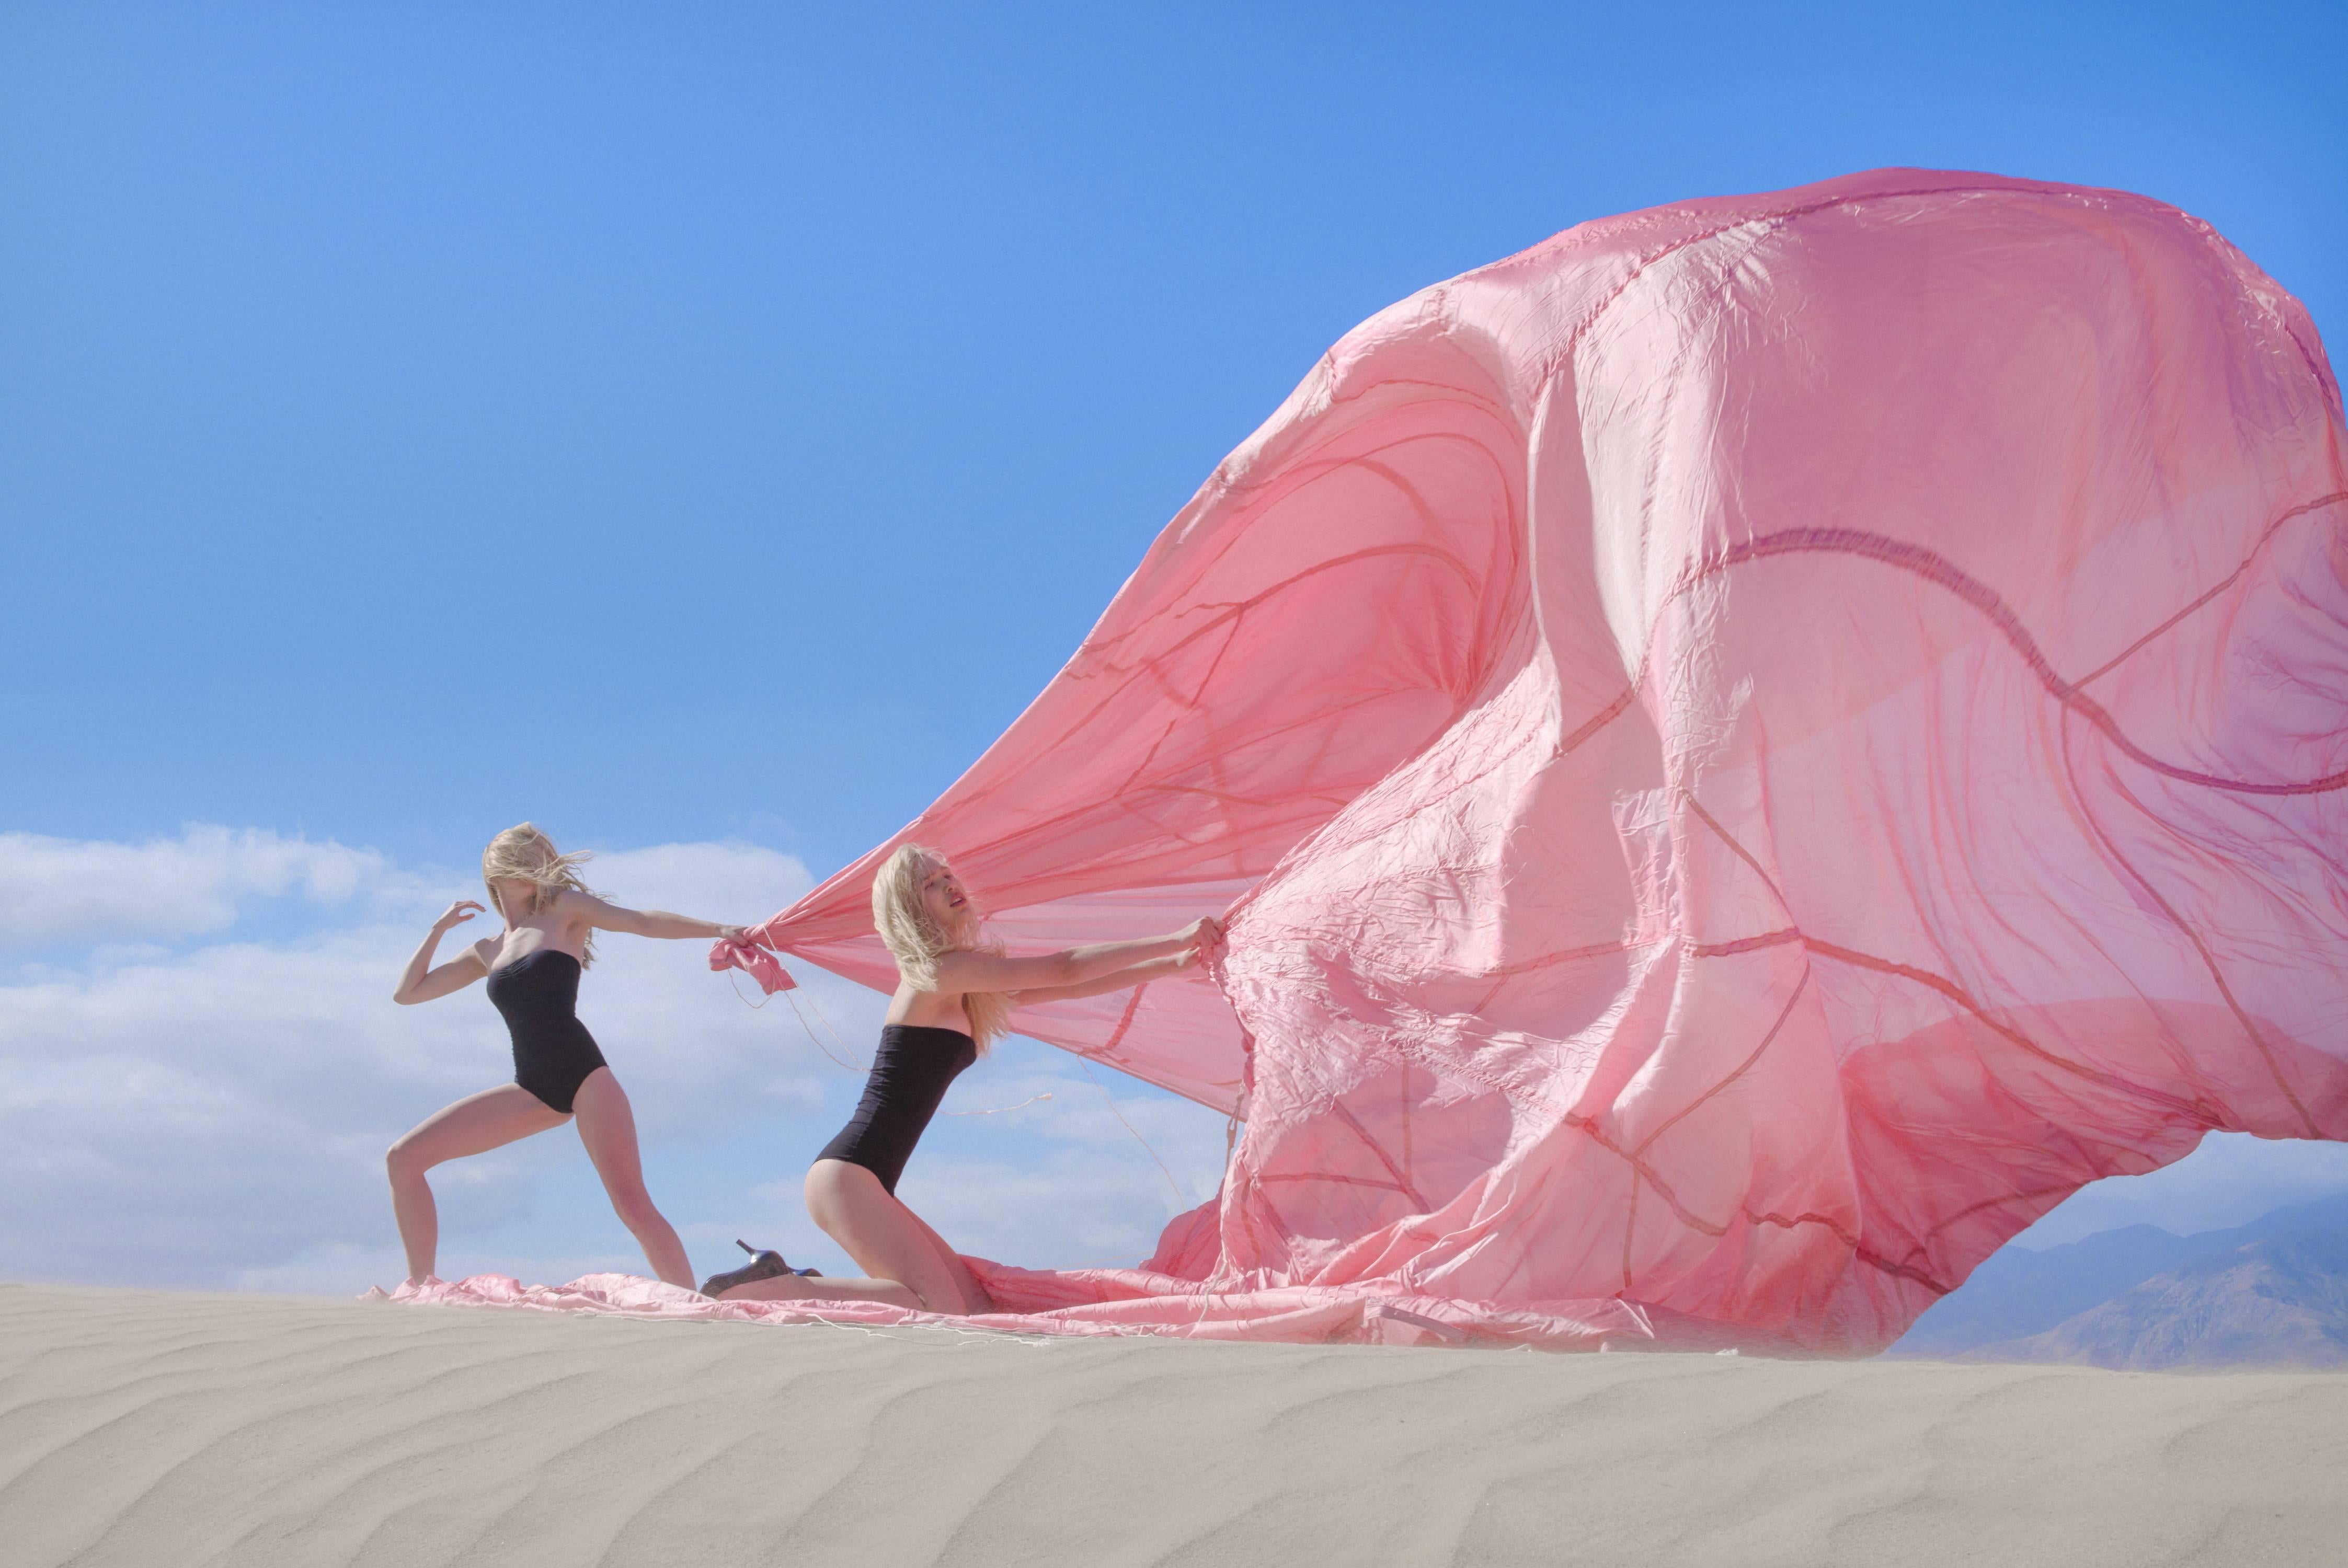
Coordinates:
(1751, 749)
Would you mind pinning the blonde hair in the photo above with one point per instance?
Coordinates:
(526, 854)
(917, 942)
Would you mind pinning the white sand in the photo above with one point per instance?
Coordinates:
(165, 1428)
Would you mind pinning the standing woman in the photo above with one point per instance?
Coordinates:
(533, 968)
(953, 997)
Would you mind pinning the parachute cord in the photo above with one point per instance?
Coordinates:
(792, 997)
(999, 1109)
(1182, 1199)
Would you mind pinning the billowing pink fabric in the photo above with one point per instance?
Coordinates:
(1752, 748)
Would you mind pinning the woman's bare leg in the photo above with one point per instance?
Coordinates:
(794, 1287)
(607, 1125)
(899, 1255)
(474, 1125)
(974, 1294)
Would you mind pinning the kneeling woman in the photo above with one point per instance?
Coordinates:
(953, 997)
(533, 970)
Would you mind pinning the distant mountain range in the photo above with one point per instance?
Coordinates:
(2272, 1292)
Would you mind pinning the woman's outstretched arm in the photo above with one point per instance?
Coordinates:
(420, 982)
(645, 922)
(971, 971)
(1138, 975)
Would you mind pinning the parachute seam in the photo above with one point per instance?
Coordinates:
(2224, 583)
(2209, 961)
(1939, 570)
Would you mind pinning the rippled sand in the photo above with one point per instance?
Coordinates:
(155, 1428)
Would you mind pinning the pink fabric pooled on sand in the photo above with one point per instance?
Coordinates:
(1751, 749)
(1096, 1301)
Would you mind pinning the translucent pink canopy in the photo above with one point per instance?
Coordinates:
(1752, 748)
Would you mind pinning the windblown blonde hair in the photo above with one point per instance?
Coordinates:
(526, 853)
(918, 942)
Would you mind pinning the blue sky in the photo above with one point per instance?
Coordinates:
(712, 423)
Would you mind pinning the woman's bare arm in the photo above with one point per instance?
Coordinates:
(420, 982)
(969, 970)
(1138, 975)
(605, 917)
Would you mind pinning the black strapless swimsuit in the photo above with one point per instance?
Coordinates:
(554, 1053)
(911, 1074)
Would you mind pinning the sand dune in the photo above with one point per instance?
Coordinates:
(146, 1428)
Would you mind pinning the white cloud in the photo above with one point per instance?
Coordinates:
(208, 1114)
(59, 890)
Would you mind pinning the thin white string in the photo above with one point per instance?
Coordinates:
(1182, 1199)
(851, 1064)
(791, 997)
(1002, 1109)
(893, 1330)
